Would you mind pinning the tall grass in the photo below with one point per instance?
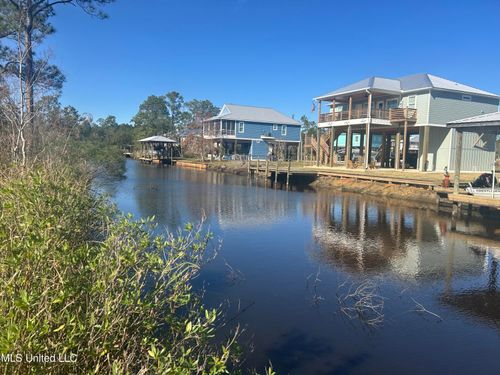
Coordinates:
(76, 277)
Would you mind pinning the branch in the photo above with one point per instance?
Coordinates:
(49, 5)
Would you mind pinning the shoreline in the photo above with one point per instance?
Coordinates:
(410, 196)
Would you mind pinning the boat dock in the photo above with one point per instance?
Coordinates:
(283, 170)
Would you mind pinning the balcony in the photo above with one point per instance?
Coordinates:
(392, 115)
(218, 133)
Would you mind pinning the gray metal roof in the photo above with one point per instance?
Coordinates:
(488, 119)
(253, 114)
(406, 84)
(157, 138)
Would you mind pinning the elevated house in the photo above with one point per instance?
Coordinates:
(388, 114)
(257, 133)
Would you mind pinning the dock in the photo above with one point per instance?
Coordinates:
(282, 171)
(424, 180)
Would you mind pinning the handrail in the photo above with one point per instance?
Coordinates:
(393, 114)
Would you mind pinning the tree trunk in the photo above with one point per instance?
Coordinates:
(28, 70)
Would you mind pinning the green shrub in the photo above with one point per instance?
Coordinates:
(78, 278)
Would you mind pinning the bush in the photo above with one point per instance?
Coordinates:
(78, 278)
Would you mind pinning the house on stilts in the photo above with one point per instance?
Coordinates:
(256, 133)
(375, 122)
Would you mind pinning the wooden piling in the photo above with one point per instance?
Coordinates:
(288, 174)
(276, 173)
(267, 168)
(257, 171)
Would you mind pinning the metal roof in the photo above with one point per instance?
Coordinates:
(157, 138)
(253, 114)
(406, 84)
(488, 119)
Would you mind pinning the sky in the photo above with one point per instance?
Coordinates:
(269, 53)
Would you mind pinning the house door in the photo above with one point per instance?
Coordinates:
(379, 108)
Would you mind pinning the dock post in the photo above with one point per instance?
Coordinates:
(248, 166)
(257, 171)
(458, 162)
(288, 174)
(276, 173)
(267, 168)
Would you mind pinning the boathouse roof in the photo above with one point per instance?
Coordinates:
(491, 120)
(158, 138)
(253, 114)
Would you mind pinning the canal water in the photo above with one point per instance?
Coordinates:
(335, 283)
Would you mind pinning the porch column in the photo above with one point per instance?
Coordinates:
(405, 140)
(318, 146)
(361, 143)
(348, 145)
(397, 151)
(425, 149)
(332, 140)
(235, 145)
(350, 107)
(368, 130)
(458, 162)
(332, 133)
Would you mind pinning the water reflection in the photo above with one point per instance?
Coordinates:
(367, 236)
(277, 238)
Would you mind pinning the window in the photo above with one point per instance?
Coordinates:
(466, 98)
(275, 126)
(392, 103)
(283, 129)
(241, 127)
(412, 101)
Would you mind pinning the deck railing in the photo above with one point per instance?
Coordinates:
(218, 133)
(393, 114)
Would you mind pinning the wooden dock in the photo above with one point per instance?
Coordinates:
(283, 170)
(473, 200)
(191, 164)
(425, 180)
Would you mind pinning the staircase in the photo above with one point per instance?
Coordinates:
(324, 142)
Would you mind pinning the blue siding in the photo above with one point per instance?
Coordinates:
(254, 130)
(259, 150)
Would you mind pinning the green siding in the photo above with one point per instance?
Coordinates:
(422, 105)
(476, 155)
(448, 106)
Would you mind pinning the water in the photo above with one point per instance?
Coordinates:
(288, 259)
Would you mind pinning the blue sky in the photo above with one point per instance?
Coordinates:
(266, 53)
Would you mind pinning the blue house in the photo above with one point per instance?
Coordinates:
(257, 133)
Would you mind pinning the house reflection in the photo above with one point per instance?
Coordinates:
(480, 303)
(359, 235)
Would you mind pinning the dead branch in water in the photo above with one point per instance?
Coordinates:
(419, 308)
(316, 297)
(234, 276)
(362, 302)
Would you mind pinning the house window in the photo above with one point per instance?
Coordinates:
(392, 103)
(412, 101)
(467, 98)
(241, 127)
(275, 126)
(283, 129)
